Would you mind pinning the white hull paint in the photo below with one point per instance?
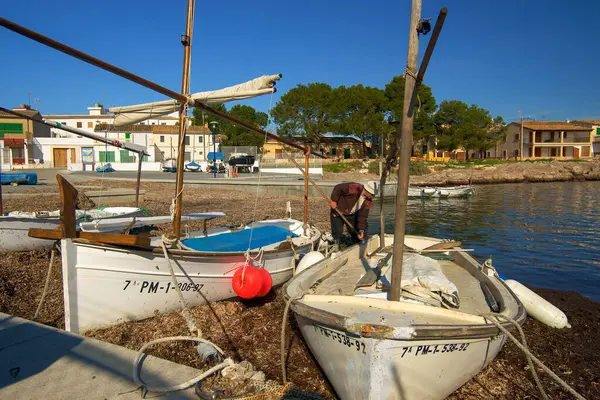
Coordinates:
(372, 348)
(396, 369)
(14, 230)
(108, 285)
(441, 192)
(14, 233)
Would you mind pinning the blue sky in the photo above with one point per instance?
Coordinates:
(536, 56)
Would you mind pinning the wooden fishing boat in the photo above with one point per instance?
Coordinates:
(424, 346)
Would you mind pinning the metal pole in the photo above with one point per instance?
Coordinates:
(381, 187)
(185, 89)
(139, 177)
(306, 156)
(405, 135)
(215, 153)
(521, 141)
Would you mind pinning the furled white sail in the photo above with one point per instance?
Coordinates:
(141, 112)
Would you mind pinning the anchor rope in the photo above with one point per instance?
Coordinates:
(524, 348)
(46, 285)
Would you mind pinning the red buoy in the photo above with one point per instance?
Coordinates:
(251, 284)
(267, 282)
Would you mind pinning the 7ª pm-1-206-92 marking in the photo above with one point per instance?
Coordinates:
(160, 287)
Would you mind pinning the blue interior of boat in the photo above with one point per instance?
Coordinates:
(238, 241)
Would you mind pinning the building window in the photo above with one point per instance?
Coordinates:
(162, 139)
(565, 136)
(597, 131)
(163, 123)
(126, 156)
(90, 124)
(80, 124)
(187, 156)
(200, 138)
(187, 140)
(63, 123)
(107, 156)
(516, 137)
(516, 153)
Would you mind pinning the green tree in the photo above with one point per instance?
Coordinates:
(425, 107)
(307, 111)
(361, 112)
(241, 136)
(471, 127)
(201, 117)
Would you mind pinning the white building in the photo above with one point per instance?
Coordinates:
(159, 135)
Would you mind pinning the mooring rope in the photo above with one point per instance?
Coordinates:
(46, 285)
(524, 348)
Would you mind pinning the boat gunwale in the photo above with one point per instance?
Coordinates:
(192, 253)
(418, 331)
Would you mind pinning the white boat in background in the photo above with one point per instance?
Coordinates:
(14, 226)
(423, 347)
(104, 285)
(440, 192)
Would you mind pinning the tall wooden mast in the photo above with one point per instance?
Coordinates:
(186, 40)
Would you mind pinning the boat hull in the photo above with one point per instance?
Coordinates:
(14, 233)
(108, 285)
(381, 369)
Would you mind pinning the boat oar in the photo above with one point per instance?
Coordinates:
(325, 197)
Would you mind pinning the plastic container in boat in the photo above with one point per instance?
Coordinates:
(309, 260)
(537, 307)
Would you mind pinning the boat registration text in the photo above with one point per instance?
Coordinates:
(351, 343)
(425, 349)
(160, 287)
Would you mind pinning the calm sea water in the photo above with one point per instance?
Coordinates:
(541, 234)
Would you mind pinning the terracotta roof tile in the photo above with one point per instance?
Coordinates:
(552, 126)
(169, 129)
(589, 121)
(29, 113)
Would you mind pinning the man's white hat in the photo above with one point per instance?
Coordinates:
(371, 187)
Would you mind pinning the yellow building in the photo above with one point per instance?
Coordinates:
(336, 147)
(547, 139)
(17, 134)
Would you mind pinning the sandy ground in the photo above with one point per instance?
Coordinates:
(250, 330)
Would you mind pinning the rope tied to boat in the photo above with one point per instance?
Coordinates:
(47, 284)
(185, 311)
(493, 318)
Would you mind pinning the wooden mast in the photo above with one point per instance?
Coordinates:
(404, 134)
(186, 40)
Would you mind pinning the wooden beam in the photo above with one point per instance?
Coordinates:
(68, 199)
(106, 238)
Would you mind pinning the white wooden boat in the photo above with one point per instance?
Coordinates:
(105, 285)
(414, 349)
(14, 226)
(440, 192)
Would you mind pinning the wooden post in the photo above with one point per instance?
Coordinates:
(382, 175)
(185, 88)
(404, 134)
(306, 178)
(139, 177)
(68, 198)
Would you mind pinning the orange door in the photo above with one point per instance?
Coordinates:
(60, 158)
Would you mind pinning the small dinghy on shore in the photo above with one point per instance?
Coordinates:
(15, 225)
(425, 346)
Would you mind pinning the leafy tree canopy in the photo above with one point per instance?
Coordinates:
(307, 110)
(236, 135)
(425, 106)
(361, 112)
(471, 127)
